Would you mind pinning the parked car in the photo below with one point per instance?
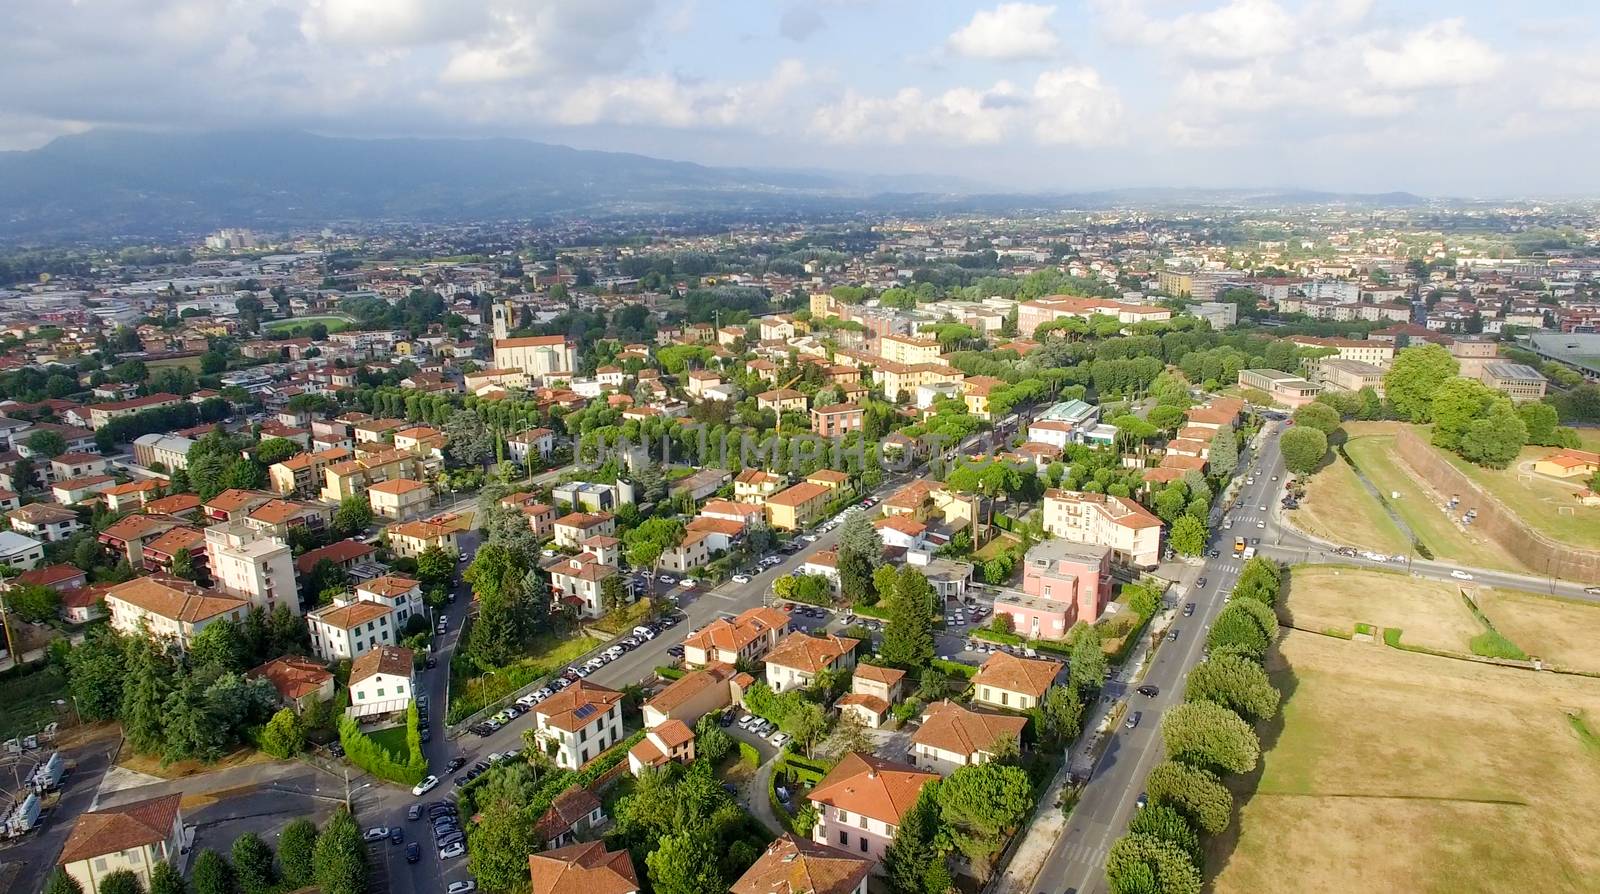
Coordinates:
(466, 887)
(414, 812)
(452, 851)
(396, 835)
(376, 833)
(741, 578)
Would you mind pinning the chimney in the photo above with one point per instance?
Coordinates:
(872, 772)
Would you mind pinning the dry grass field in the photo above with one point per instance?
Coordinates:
(1339, 509)
(1398, 771)
(1562, 632)
(1429, 613)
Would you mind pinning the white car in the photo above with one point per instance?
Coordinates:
(422, 787)
(376, 833)
(778, 739)
(741, 578)
(466, 887)
(810, 538)
(452, 851)
(688, 583)
(667, 579)
(1458, 574)
(745, 720)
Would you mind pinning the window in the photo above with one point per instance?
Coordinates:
(99, 864)
(863, 845)
(380, 692)
(399, 689)
(1005, 697)
(844, 838)
(844, 815)
(863, 820)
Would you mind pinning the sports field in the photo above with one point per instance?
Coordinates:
(299, 324)
(1546, 504)
(1399, 771)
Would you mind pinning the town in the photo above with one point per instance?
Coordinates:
(936, 553)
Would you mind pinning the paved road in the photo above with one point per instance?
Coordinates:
(1077, 862)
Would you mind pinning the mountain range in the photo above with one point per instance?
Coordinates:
(133, 183)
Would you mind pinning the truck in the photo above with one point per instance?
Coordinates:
(1238, 546)
(1248, 552)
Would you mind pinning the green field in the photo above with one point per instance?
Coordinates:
(193, 363)
(393, 739)
(1545, 504)
(297, 325)
(1336, 507)
(549, 654)
(1398, 771)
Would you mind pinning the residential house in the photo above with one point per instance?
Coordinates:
(691, 696)
(862, 801)
(346, 554)
(575, 527)
(781, 400)
(1062, 583)
(580, 722)
(580, 582)
(128, 535)
(44, 521)
(952, 736)
(132, 495)
(535, 442)
(837, 420)
(300, 682)
(574, 812)
(795, 662)
(793, 865)
(19, 551)
(251, 565)
(351, 627)
(131, 837)
(302, 475)
(756, 485)
(73, 491)
(410, 539)
(750, 635)
(873, 691)
(584, 868)
(1014, 683)
(662, 744)
(382, 681)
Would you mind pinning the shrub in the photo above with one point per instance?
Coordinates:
(375, 759)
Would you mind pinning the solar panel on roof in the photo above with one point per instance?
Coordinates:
(583, 711)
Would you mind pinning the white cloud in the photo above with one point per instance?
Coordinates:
(1010, 31)
(391, 22)
(1442, 54)
(1074, 106)
(1235, 31)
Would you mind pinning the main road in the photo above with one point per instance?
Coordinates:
(1109, 798)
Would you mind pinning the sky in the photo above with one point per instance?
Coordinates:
(1464, 98)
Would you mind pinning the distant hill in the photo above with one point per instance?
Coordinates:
(114, 182)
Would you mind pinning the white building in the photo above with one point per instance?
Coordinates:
(581, 721)
(170, 609)
(250, 565)
(350, 628)
(382, 681)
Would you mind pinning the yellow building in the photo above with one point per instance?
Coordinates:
(782, 400)
(821, 305)
(354, 476)
(798, 506)
(906, 349)
(411, 538)
(1175, 283)
(897, 378)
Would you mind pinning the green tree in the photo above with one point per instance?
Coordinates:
(1206, 734)
(61, 883)
(211, 873)
(914, 862)
(275, 450)
(858, 535)
(96, 669)
(908, 637)
(1236, 683)
(1414, 378)
(436, 566)
(650, 539)
(221, 644)
(252, 862)
(1540, 420)
(1086, 670)
(145, 691)
(1161, 821)
(613, 593)
(1496, 440)
(499, 844)
(685, 863)
(122, 881)
(855, 576)
(46, 444)
(297, 845)
(283, 736)
(1456, 403)
(352, 517)
(980, 804)
(164, 879)
(1061, 714)
(1197, 794)
(1303, 449)
(1188, 536)
(1145, 864)
(33, 603)
(808, 724)
(339, 859)
(1245, 625)
(1319, 416)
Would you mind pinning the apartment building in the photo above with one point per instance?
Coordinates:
(1131, 530)
(1284, 388)
(355, 476)
(101, 415)
(399, 498)
(575, 527)
(908, 349)
(1376, 353)
(351, 627)
(1518, 381)
(252, 565)
(1062, 583)
(533, 443)
(170, 609)
(412, 538)
(579, 581)
(749, 636)
(781, 400)
(301, 475)
(798, 506)
(756, 485)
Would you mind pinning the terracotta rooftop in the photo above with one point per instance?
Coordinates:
(950, 727)
(586, 868)
(810, 654)
(571, 807)
(690, 685)
(1031, 676)
(794, 865)
(396, 661)
(172, 598)
(338, 553)
(117, 829)
(294, 677)
(871, 786)
(577, 706)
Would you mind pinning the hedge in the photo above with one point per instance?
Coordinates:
(360, 750)
(748, 754)
(954, 668)
(670, 673)
(778, 810)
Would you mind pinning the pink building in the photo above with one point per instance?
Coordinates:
(1062, 583)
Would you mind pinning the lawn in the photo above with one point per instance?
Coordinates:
(297, 324)
(193, 363)
(1545, 504)
(1397, 771)
(29, 702)
(997, 545)
(1371, 448)
(549, 653)
(1430, 613)
(393, 739)
(1337, 508)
